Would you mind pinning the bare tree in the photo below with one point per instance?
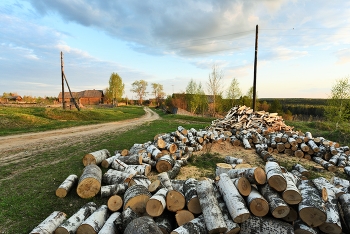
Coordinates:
(139, 87)
(214, 85)
(158, 92)
(233, 91)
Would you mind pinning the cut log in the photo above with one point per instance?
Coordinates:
(299, 153)
(50, 224)
(243, 186)
(291, 194)
(255, 175)
(109, 226)
(112, 177)
(108, 161)
(233, 160)
(110, 190)
(114, 203)
(234, 201)
(166, 222)
(340, 182)
(311, 208)
(266, 225)
(275, 177)
(292, 215)
(302, 170)
(344, 208)
(328, 166)
(347, 170)
(96, 157)
(332, 224)
(154, 186)
(121, 166)
(190, 193)
(142, 225)
(132, 159)
(173, 172)
(257, 204)
(94, 222)
(222, 168)
(154, 151)
(214, 221)
(302, 228)
(175, 200)
(183, 216)
(313, 146)
(140, 179)
(90, 181)
(143, 169)
(321, 182)
(156, 204)
(136, 197)
(66, 185)
(195, 226)
(278, 207)
(71, 225)
(128, 215)
(165, 163)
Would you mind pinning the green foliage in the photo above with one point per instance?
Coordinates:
(139, 87)
(234, 92)
(158, 92)
(196, 99)
(276, 107)
(115, 90)
(215, 86)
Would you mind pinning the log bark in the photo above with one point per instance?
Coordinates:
(109, 227)
(50, 224)
(302, 228)
(165, 163)
(143, 169)
(136, 197)
(175, 200)
(328, 166)
(154, 151)
(278, 207)
(154, 186)
(243, 186)
(347, 170)
(128, 215)
(71, 225)
(275, 177)
(291, 194)
(257, 204)
(166, 221)
(214, 220)
(340, 182)
(332, 224)
(66, 185)
(140, 179)
(115, 177)
(266, 225)
(90, 181)
(234, 201)
(344, 208)
(302, 170)
(222, 168)
(195, 226)
(321, 182)
(96, 157)
(114, 203)
(255, 175)
(183, 216)
(110, 190)
(173, 172)
(123, 167)
(142, 225)
(292, 215)
(132, 159)
(191, 197)
(311, 207)
(94, 222)
(156, 204)
(108, 161)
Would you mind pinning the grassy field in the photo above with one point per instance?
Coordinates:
(14, 120)
(27, 194)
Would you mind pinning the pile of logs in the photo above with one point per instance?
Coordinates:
(240, 199)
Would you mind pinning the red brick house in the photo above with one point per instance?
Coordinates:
(86, 97)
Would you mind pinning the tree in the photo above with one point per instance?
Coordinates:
(276, 107)
(158, 92)
(116, 88)
(338, 104)
(214, 85)
(195, 97)
(139, 87)
(233, 91)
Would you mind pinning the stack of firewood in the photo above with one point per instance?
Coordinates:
(239, 200)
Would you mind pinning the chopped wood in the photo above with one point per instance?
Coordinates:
(266, 225)
(302, 228)
(195, 226)
(257, 204)
(50, 224)
(190, 193)
(90, 181)
(113, 189)
(142, 225)
(183, 216)
(136, 197)
(66, 185)
(114, 203)
(109, 226)
(96, 157)
(275, 177)
(278, 207)
(94, 222)
(243, 186)
(165, 163)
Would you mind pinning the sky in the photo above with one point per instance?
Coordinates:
(303, 46)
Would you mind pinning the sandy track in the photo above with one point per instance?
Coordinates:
(16, 147)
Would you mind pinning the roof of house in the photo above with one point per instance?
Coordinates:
(13, 97)
(86, 93)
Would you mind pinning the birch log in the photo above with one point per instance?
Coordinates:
(278, 207)
(175, 200)
(142, 225)
(302, 228)
(257, 204)
(166, 221)
(108, 161)
(190, 193)
(340, 182)
(243, 186)
(222, 168)
(255, 175)
(66, 185)
(90, 181)
(214, 220)
(140, 179)
(135, 159)
(115, 177)
(165, 163)
(275, 177)
(311, 208)
(128, 215)
(234, 201)
(94, 222)
(195, 226)
(50, 224)
(183, 216)
(301, 169)
(154, 186)
(114, 203)
(321, 182)
(110, 190)
(156, 204)
(173, 172)
(332, 224)
(291, 194)
(136, 197)
(344, 207)
(71, 225)
(96, 157)
(109, 227)
(265, 225)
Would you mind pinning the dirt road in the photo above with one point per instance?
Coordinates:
(17, 147)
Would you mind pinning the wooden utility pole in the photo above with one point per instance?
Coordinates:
(62, 74)
(255, 66)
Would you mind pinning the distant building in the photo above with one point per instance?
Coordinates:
(12, 98)
(86, 97)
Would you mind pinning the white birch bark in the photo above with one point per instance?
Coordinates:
(66, 185)
(94, 222)
(50, 224)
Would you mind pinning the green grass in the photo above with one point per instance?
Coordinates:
(27, 194)
(14, 120)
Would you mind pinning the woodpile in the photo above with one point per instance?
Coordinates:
(240, 199)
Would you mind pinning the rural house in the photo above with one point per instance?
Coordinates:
(7, 99)
(86, 97)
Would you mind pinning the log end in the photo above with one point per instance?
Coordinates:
(259, 207)
(194, 206)
(138, 203)
(330, 228)
(244, 187)
(85, 228)
(61, 192)
(241, 218)
(61, 230)
(154, 208)
(183, 216)
(292, 197)
(175, 201)
(278, 183)
(163, 166)
(88, 188)
(114, 203)
(260, 175)
(89, 159)
(154, 186)
(281, 211)
(312, 216)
